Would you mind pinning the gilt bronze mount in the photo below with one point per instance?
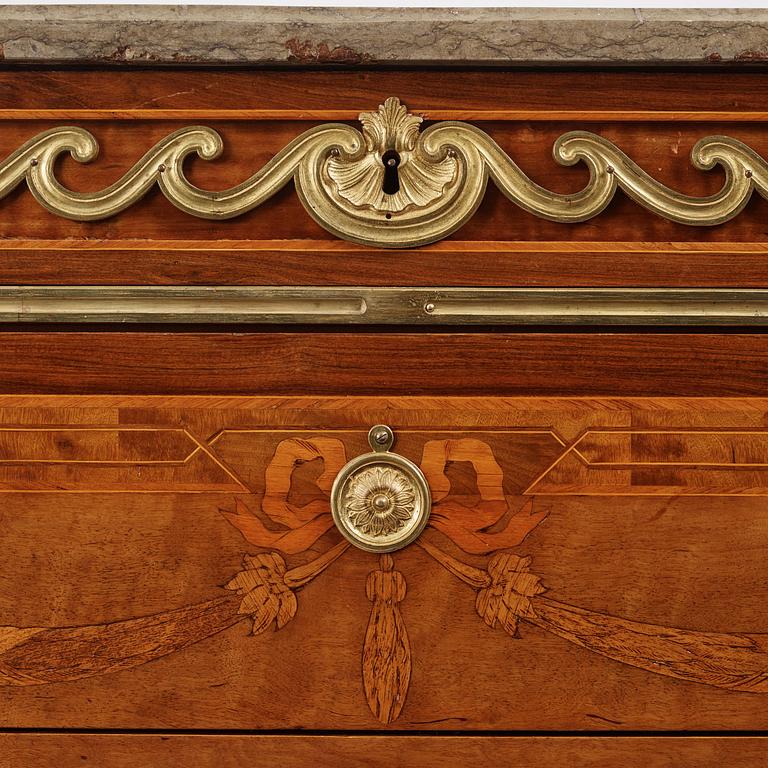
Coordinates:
(380, 501)
(390, 185)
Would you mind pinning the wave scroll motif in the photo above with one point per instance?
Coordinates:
(389, 185)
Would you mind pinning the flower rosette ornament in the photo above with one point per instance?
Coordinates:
(380, 501)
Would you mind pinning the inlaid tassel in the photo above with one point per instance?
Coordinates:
(386, 652)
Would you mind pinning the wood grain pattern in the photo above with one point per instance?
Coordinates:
(258, 112)
(509, 593)
(169, 559)
(634, 598)
(158, 89)
(34, 656)
(467, 521)
(40, 655)
(232, 751)
(326, 364)
(349, 115)
(328, 262)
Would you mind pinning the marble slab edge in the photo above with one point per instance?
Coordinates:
(272, 36)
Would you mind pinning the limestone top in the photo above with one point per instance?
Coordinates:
(270, 36)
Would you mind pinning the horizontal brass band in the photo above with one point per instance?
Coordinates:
(384, 306)
(307, 246)
(388, 186)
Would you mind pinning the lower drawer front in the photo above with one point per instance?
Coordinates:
(234, 751)
(170, 562)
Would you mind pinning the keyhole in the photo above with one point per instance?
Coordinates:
(391, 160)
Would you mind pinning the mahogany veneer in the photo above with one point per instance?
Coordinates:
(595, 558)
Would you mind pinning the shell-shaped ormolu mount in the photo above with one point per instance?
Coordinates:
(391, 185)
(420, 178)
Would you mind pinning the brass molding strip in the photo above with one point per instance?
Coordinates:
(388, 186)
(384, 306)
(309, 246)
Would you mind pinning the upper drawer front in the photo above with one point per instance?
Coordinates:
(592, 560)
(257, 114)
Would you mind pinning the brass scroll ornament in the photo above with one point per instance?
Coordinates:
(389, 185)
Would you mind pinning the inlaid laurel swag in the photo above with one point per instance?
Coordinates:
(391, 185)
(471, 537)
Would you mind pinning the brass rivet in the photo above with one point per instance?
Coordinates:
(748, 174)
(33, 162)
(161, 168)
(429, 307)
(381, 502)
(609, 169)
(381, 436)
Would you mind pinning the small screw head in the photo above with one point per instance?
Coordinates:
(380, 438)
(429, 307)
(334, 152)
(451, 152)
(391, 162)
(33, 162)
(161, 168)
(748, 174)
(609, 169)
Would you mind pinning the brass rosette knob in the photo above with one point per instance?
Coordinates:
(380, 501)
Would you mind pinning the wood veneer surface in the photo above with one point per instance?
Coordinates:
(629, 467)
(167, 751)
(391, 363)
(132, 528)
(257, 113)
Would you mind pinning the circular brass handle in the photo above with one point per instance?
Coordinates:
(380, 501)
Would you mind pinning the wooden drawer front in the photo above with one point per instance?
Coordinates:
(172, 582)
(590, 563)
(257, 114)
(210, 751)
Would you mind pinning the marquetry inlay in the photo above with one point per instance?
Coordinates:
(476, 536)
